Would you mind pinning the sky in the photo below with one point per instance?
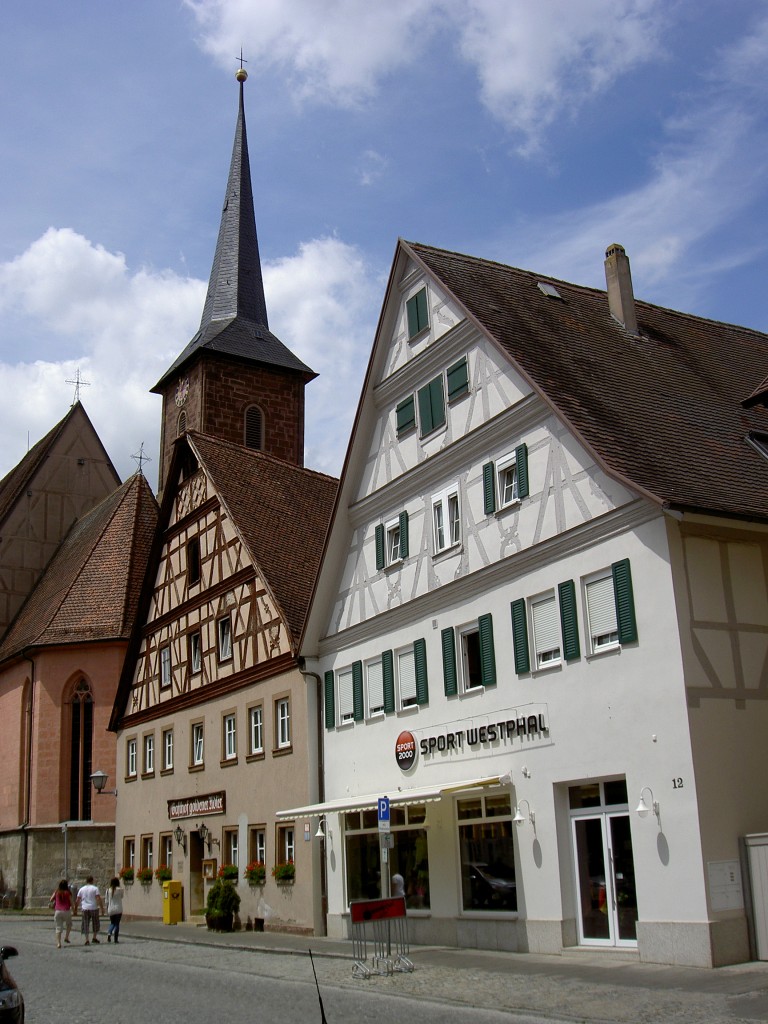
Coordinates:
(535, 134)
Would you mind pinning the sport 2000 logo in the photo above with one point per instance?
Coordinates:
(405, 750)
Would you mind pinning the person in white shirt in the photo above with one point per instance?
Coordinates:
(113, 897)
(90, 902)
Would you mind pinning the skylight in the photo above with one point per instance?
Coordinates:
(549, 289)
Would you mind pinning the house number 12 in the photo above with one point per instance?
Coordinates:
(677, 783)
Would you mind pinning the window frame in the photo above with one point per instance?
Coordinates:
(591, 583)
(450, 527)
(166, 675)
(548, 598)
(230, 842)
(285, 847)
(224, 644)
(131, 757)
(148, 754)
(283, 736)
(129, 851)
(430, 399)
(197, 730)
(256, 711)
(374, 710)
(195, 651)
(345, 702)
(463, 633)
(193, 561)
(167, 741)
(147, 852)
(503, 467)
(257, 843)
(417, 313)
(229, 737)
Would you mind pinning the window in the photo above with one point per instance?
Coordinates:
(130, 758)
(147, 852)
(408, 857)
(412, 675)
(476, 656)
(193, 561)
(418, 313)
(195, 653)
(487, 848)
(224, 630)
(197, 743)
(505, 482)
(431, 406)
(166, 849)
(457, 379)
(231, 847)
(165, 667)
(392, 541)
(546, 631)
(405, 416)
(80, 752)
(181, 424)
(283, 722)
(374, 672)
(256, 729)
(446, 525)
(167, 750)
(611, 608)
(258, 844)
(346, 696)
(149, 754)
(286, 846)
(230, 737)
(254, 428)
(129, 852)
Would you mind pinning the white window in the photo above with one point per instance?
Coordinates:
(375, 680)
(231, 847)
(507, 487)
(225, 638)
(195, 653)
(406, 678)
(446, 524)
(601, 613)
(283, 718)
(346, 696)
(129, 853)
(288, 845)
(130, 759)
(168, 749)
(259, 845)
(393, 541)
(166, 850)
(165, 667)
(230, 738)
(147, 852)
(256, 722)
(546, 631)
(197, 743)
(471, 663)
(149, 754)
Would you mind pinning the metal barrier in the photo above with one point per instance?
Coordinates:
(382, 925)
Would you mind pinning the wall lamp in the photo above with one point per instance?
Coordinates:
(180, 837)
(520, 818)
(205, 834)
(322, 828)
(644, 808)
(99, 780)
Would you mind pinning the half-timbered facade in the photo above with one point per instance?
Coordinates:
(542, 617)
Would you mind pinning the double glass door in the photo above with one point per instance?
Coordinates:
(605, 869)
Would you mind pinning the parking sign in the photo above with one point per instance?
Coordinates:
(383, 810)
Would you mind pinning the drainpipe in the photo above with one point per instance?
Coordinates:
(28, 778)
(320, 780)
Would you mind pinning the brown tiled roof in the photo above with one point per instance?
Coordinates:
(282, 512)
(662, 411)
(90, 589)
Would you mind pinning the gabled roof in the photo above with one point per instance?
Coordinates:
(282, 513)
(662, 411)
(90, 589)
(234, 321)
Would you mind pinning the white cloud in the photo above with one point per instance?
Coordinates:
(534, 62)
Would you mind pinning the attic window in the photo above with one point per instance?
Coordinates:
(759, 442)
(549, 290)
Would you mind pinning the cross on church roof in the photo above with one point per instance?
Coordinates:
(79, 383)
(140, 458)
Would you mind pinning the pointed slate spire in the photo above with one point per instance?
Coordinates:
(234, 320)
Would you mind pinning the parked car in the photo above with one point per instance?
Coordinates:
(11, 999)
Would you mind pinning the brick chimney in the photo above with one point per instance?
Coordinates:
(618, 280)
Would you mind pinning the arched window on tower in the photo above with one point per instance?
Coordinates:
(181, 425)
(81, 752)
(254, 428)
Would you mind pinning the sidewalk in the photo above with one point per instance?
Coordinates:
(580, 984)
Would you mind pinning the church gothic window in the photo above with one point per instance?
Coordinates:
(81, 752)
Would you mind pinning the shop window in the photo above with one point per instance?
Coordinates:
(487, 850)
(408, 858)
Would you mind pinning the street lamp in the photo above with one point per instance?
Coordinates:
(99, 780)
(181, 838)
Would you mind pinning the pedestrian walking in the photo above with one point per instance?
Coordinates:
(90, 902)
(61, 901)
(113, 898)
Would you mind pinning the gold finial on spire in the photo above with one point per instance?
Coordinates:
(241, 74)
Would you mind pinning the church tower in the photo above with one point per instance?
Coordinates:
(235, 380)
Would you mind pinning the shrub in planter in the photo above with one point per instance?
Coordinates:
(144, 875)
(163, 873)
(126, 875)
(221, 906)
(229, 871)
(284, 872)
(255, 873)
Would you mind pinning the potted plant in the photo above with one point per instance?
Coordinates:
(255, 873)
(284, 872)
(126, 875)
(163, 873)
(144, 875)
(229, 872)
(221, 906)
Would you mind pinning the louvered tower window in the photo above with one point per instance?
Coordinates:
(254, 428)
(81, 752)
(181, 425)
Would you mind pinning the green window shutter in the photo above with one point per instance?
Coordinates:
(380, 559)
(457, 377)
(425, 411)
(569, 620)
(418, 317)
(521, 465)
(450, 682)
(403, 534)
(431, 406)
(406, 415)
(420, 660)
(625, 601)
(487, 653)
(489, 488)
(520, 637)
(330, 706)
(358, 705)
(388, 674)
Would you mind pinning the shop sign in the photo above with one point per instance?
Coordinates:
(192, 806)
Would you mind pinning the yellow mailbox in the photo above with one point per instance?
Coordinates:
(171, 902)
